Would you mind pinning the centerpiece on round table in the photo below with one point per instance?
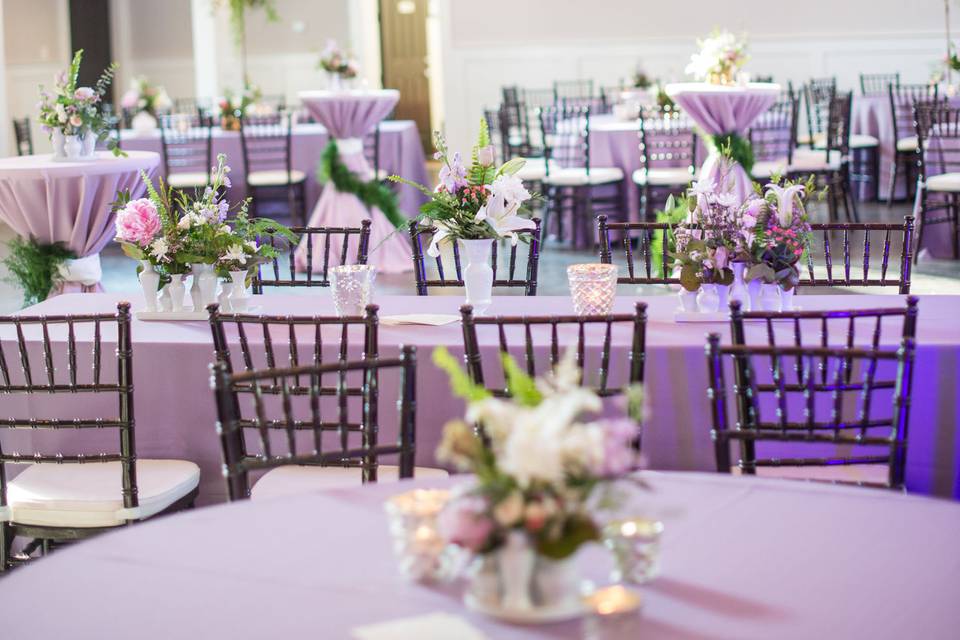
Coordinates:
(543, 462)
(235, 105)
(73, 116)
(474, 206)
(145, 100)
(174, 234)
(746, 252)
(721, 55)
(338, 65)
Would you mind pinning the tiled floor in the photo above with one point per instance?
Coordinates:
(930, 276)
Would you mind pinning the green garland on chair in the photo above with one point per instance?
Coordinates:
(734, 147)
(371, 193)
(35, 267)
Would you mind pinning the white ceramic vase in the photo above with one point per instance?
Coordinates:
(72, 147)
(786, 298)
(88, 144)
(239, 300)
(477, 273)
(165, 304)
(770, 297)
(143, 122)
(738, 290)
(517, 562)
(58, 141)
(688, 300)
(223, 298)
(753, 293)
(177, 291)
(149, 283)
(204, 288)
(708, 300)
(723, 297)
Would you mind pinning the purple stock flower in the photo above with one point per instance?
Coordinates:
(453, 176)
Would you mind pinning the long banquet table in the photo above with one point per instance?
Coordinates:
(401, 152)
(175, 412)
(741, 558)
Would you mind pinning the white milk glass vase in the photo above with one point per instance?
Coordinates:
(239, 300)
(149, 283)
(477, 272)
(738, 290)
(708, 300)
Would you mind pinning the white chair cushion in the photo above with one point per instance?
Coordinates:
(534, 169)
(766, 168)
(814, 160)
(857, 141)
(663, 176)
(294, 480)
(88, 495)
(276, 178)
(948, 182)
(186, 180)
(578, 177)
(907, 144)
(853, 474)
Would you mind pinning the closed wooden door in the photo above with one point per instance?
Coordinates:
(403, 43)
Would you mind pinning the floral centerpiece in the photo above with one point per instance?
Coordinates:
(473, 206)
(721, 55)
(173, 234)
(235, 105)
(338, 65)
(73, 116)
(145, 100)
(544, 463)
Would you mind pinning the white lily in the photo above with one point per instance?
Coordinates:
(442, 234)
(786, 196)
(235, 254)
(503, 218)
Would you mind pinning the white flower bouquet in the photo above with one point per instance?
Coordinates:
(721, 55)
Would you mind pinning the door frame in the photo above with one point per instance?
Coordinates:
(364, 21)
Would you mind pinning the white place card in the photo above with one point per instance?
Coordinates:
(432, 626)
(427, 319)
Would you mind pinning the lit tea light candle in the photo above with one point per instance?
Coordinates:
(635, 544)
(613, 601)
(417, 542)
(593, 287)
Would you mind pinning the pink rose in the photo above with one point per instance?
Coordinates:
(485, 156)
(84, 93)
(138, 222)
(464, 522)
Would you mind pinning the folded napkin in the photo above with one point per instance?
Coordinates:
(433, 626)
(429, 319)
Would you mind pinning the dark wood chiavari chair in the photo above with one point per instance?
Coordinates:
(187, 144)
(573, 92)
(572, 183)
(636, 322)
(22, 136)
(268, 162)
(248, 446)
(829, 161)
(371, 153)
(529, 237)
(938, 182)
(498, 139)
(773, 137)
(818, 93)
(668, 154)
(799, 377)
(878, 84)
(638, 242)
(59, 497)
(903, 101)
(521, 120)
(311, 241)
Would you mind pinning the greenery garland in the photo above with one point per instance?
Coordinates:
(734, 147)
(371, 193)
(36, 267)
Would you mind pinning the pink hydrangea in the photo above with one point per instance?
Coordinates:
(138, 222)
(465, 522)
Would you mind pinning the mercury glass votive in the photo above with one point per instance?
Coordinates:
(352, 286)
(420, 549)
(593, 287)
(611, 613)
(635, 545)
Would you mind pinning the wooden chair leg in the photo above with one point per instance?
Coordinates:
(892, 190)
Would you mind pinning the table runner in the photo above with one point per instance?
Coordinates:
(741, 558)
(175, 411)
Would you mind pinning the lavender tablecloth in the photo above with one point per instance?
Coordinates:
(349, 115)
(719, 109)
(175, 412)
(69, 202)
(741, 558)
(400, 152)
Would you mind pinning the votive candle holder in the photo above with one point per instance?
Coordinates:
(593, 288)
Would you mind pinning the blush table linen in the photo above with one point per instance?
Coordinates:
(176, 415)
(69, 202)
(400, 152)
(348, 116)
(742, 558)
(720, 109)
